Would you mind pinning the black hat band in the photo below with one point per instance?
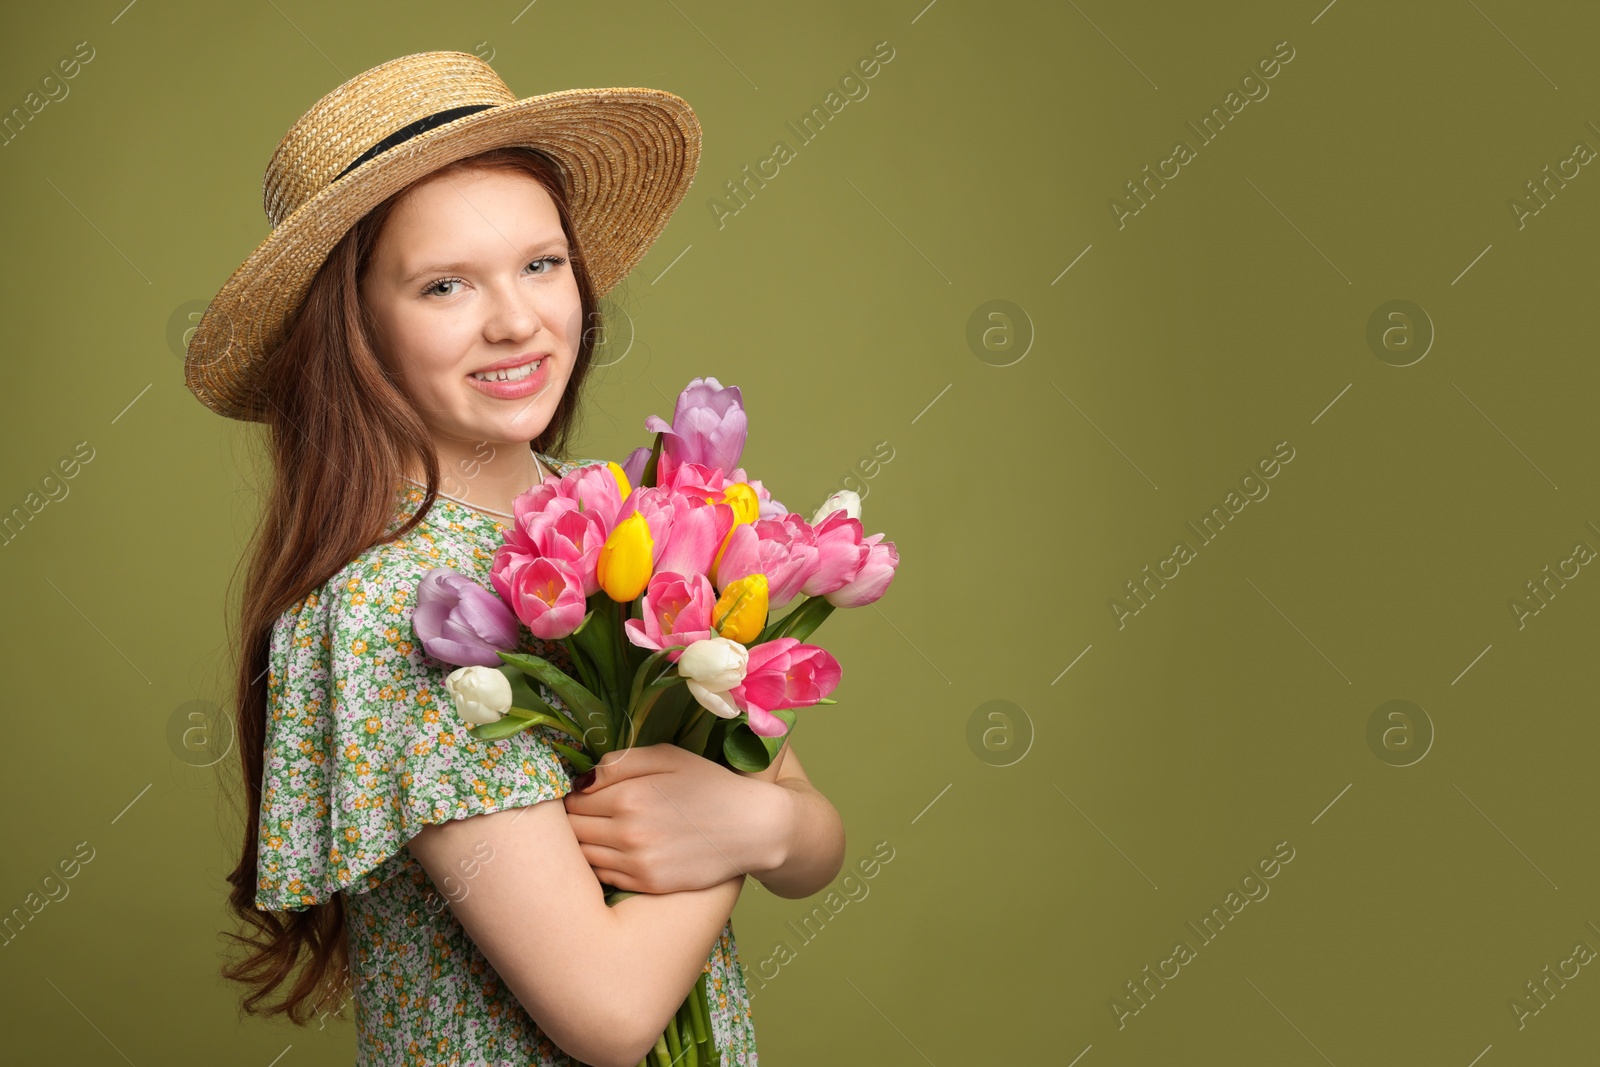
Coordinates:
(405, 133)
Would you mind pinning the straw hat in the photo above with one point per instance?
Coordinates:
(629, 156)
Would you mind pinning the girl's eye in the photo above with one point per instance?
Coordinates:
(550, 261)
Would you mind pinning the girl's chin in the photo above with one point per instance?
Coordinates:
(486, 419)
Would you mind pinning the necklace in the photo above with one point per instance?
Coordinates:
(540, 475)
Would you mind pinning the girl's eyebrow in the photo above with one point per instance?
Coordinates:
(444, 268)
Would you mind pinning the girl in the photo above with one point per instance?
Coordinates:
(416, 332)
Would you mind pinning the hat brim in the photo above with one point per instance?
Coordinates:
(629, 157)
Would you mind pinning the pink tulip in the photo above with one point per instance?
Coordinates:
(697, 531)
(706, 480)
(676, 610)
(775, 547)
(591, 490)
(877, 571)
(788, 552)
(686, 477)
(840, 554)
(575, 538)
(783, 673)
(545, 593)
(458, 621)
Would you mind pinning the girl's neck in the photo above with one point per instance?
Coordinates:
(489, 480)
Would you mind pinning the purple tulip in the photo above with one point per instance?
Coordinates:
(459, 621)
(633, 466)
(708, 427)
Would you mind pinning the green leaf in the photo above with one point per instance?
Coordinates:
(634, 656)
(697, 725)
(531, 708)
(523, 695)
(527, 701)
(714, 750)
(589, 712)
(747, 750)
(800, 623)
(578, 759)
(591, 632)
(743, 749)
(539, 718)
(643, 673)
(608, 649)
(770, 630)
(775, 743)
(581, 662)
(663, 714)
(494, 731)
(648, 475)
(651, 692)
(597, 637)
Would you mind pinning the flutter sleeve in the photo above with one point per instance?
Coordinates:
(363, 745)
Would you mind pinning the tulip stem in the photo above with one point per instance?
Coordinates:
(674, 1047)
(715, 737)
(697, 1007)
(623, 678)
(690, 722)
(638, 723)
(685, 1027)
(552, 718)
(581, 661)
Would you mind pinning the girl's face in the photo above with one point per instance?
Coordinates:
(472, 272)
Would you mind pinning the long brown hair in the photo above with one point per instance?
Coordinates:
(342, 434)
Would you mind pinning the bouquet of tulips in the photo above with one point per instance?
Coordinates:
(660, 578)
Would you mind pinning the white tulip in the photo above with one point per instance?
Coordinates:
(717, 664)
(482, 694)
(845, 499)
(713, 666)
(716, 703)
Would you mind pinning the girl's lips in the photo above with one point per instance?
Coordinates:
(533, 383)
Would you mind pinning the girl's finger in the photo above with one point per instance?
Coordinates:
(598, 856)
(594, 829)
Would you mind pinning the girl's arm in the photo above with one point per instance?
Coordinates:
(812, 836)
(602, 982)
(660, 819)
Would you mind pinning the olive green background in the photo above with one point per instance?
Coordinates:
(1047, 849)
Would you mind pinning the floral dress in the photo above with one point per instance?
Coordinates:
(364, 748)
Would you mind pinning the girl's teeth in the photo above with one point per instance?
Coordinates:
(512, 375)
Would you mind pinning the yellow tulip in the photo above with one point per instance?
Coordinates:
(746, 508)
(746, 505)
(622, 479)
(623, 569)
(741, 610)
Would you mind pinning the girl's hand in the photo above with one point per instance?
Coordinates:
(660, 819)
